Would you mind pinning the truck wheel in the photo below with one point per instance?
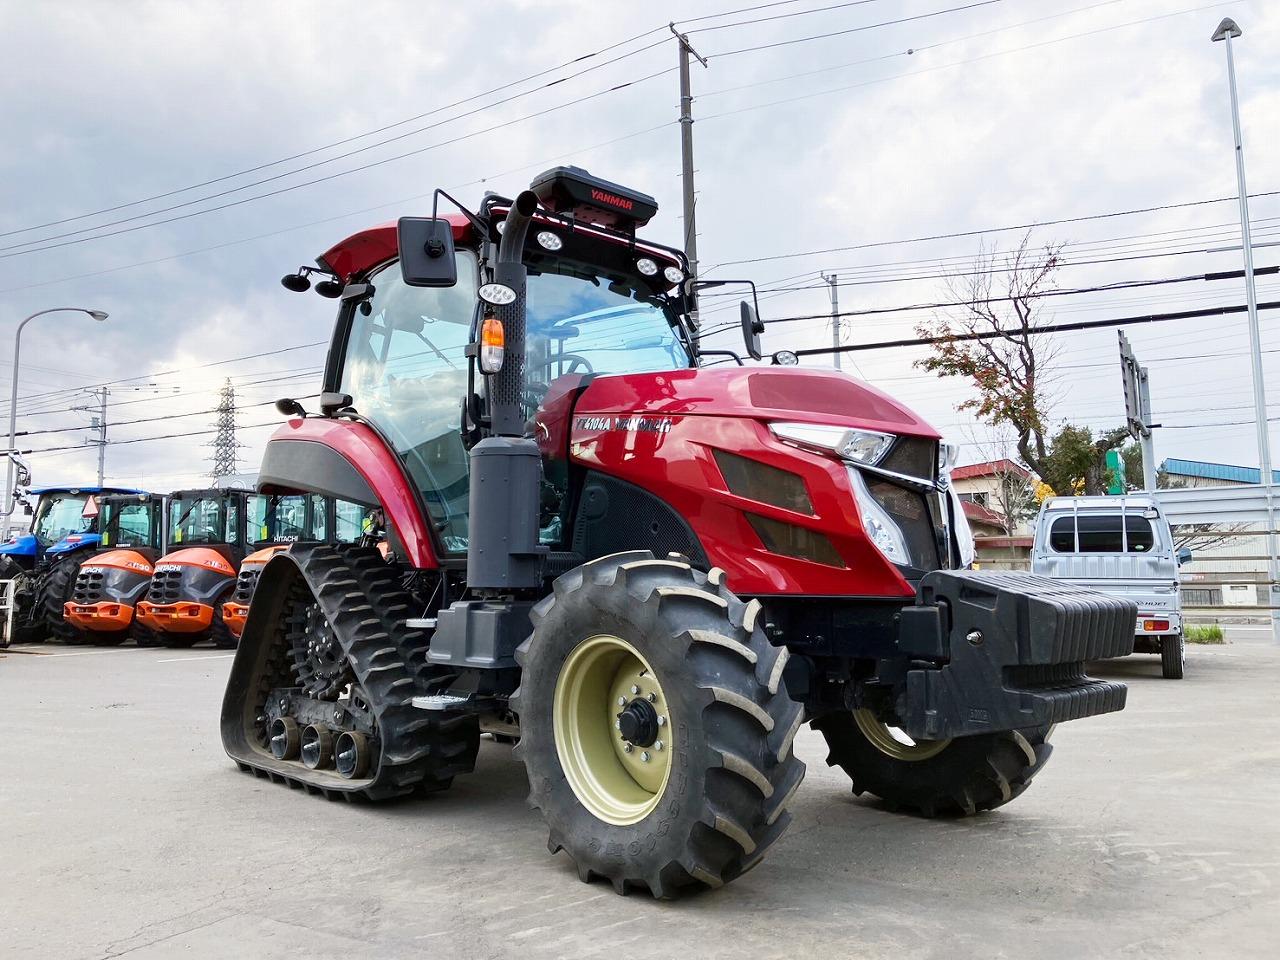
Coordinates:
(933, 777)
(219, 632)
(654, 725)
(144, 636)
(53, 590)
(1173, 656)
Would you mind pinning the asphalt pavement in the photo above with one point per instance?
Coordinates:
(128, 833)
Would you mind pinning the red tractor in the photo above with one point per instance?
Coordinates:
(649, 572)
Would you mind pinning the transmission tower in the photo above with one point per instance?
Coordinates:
(225, 444)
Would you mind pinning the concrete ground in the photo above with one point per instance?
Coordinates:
(127, 832)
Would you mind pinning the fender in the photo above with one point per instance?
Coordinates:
(348, 460)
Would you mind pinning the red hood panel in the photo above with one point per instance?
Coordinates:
(765, 393)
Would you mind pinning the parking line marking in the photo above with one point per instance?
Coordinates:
(83, 653)
(216, 656)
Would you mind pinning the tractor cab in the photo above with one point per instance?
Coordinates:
(277, 521)
(110, 583)
(66, 521)
(206, 540)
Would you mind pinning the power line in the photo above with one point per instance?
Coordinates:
(1076, 291)
(361, 136)
(332, 176)
(1036, 331)
(858, 29)
(1134, 211)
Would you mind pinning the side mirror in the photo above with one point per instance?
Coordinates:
(752, 327)
(426, 252)
(1184, 555)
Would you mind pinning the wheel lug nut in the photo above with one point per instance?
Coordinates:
(622, 701)
(645, 756)
(627, 748)
(653, 698)
(657, 744)
(662, 721)
(617, 724)
(635, 689)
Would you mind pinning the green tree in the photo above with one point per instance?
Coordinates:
(999, 301)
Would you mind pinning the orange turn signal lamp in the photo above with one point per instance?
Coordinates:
(493, 342)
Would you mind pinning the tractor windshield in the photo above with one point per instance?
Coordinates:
(196, 520)
(406, 371)
(583, 326)
(278, 519)
(62, 514)
(127, 524)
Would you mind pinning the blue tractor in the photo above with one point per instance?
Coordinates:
(43, 563)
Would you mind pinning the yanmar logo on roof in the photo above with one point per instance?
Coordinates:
(613, 200)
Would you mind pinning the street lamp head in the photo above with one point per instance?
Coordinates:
(1227, 28)
(97, 314)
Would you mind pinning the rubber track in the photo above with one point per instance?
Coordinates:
(367, 609)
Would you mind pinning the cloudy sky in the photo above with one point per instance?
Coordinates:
(866, 135)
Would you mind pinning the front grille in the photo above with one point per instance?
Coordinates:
(910, 511)
(166, 586)
(88, 588)
(246, 583)
(912, 457)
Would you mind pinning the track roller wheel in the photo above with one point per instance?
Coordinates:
(351, 754)
(656, 729)
(958, 777)
(285, 739)
(317, 747)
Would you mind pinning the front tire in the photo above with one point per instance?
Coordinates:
(53, 591)
(1173, 656)
(958, 777)
(702, 792)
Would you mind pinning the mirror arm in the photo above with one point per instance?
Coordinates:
(481, 226)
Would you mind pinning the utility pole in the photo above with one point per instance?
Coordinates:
(1226, 32)
(686, 167)
(835, 316)
(98, 421)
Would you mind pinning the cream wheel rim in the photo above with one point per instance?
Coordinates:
(893, 741)
(621, 782)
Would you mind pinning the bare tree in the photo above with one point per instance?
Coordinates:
(1001, 296)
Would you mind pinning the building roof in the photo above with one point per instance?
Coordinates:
(977, 513)
(1214, 471)
(990, 468)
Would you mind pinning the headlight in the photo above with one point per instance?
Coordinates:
(860, 446)
(884, 533)
(948, 457)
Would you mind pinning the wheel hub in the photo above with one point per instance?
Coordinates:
(612, 730)
(638, 723)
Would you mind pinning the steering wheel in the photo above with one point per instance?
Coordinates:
(575, 360)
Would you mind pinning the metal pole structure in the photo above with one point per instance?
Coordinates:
(1228, 30)
(835, 316)
(10, 502)
(690, 199)
(102, 437)
(1147, 440)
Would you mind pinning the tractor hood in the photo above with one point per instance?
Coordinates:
(24, 545)
(761, 393)
(73, 542)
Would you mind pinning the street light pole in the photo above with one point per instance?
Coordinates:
(10, 501)
(1226, 32)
